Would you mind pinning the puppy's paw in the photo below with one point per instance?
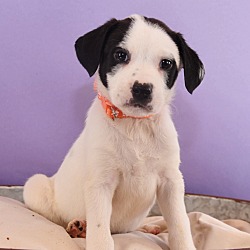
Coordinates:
(77, 228)
(152, 229)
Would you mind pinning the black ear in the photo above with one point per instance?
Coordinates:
(89, 47)
(193, 67)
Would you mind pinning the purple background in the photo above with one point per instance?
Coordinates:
(45, 93)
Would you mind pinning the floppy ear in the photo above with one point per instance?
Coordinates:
(193, 67)
(89, 47)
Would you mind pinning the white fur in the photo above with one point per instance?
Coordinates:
(116, 170)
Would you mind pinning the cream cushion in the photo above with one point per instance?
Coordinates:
(21, 228)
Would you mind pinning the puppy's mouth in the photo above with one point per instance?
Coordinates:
(137, 105)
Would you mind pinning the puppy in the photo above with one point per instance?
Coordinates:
(128, 155)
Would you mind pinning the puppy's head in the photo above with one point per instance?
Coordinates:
(138, 60)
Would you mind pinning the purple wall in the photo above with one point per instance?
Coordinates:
(44, 92)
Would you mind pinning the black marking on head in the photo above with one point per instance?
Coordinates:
(193, 67)
(169, 66)
(172, 75)
(89, 47)
(97, 47)
(115, 37)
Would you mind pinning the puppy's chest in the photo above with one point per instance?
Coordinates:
(138, 146)
(138, 166)
(139, 157)
(140, 153)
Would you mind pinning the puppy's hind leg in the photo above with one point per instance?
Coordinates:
(38, 195)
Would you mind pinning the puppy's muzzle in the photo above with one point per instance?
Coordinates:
(142, 93)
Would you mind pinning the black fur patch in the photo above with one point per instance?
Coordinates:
(114, 37)
(89, 46)
(97, 47)
(193, 67)
(172, 75)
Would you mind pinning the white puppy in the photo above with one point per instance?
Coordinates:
(128, 155)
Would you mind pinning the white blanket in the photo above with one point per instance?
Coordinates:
(21, 228)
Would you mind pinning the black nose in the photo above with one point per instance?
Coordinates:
(142, 92)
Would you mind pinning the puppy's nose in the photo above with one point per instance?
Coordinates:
(142, 92)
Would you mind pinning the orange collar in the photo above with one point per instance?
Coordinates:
(112, 111)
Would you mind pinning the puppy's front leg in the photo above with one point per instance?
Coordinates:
(170, 196)
(98, 198)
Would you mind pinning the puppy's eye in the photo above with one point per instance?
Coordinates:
(166, 64)
(121, 56)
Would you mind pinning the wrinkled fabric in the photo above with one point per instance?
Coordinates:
(24, 229)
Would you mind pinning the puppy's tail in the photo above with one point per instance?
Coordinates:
(38, 195)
